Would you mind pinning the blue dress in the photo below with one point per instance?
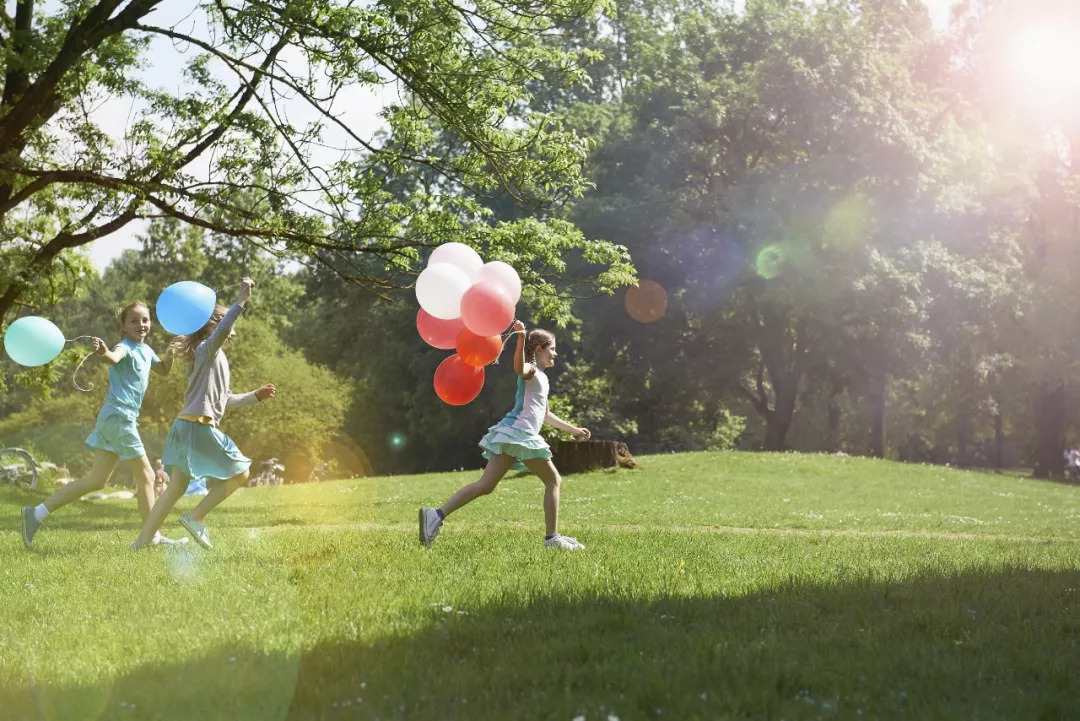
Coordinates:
(116, 429)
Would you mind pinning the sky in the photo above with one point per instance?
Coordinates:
(166, 62)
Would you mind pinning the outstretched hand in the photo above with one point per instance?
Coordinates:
(518, 327)
(582, 433)
(99, 346)
(266, 391)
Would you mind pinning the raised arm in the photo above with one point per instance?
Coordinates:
(523, 369)
(225, 325)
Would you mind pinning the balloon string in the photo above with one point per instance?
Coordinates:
(507, 335)
(75, 375)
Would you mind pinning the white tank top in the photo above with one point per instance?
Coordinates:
(530, 404)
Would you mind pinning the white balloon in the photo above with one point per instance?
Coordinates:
(439, 289)
(503, 275)
(460, 255)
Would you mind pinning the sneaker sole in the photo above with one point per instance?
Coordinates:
(423, 541)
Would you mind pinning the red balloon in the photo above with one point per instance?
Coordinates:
(457, 382)
(436, 332)
(478, 350)
(486, 308)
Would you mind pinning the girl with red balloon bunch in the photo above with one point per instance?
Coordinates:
(515, 442)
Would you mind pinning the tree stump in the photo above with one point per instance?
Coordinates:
(581, 456)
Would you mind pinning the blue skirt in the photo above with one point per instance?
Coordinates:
(199, 450)
(117, 434)
(510, 441)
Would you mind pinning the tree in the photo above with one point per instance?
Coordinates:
(314, 190)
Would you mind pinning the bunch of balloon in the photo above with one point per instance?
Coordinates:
(465, 304)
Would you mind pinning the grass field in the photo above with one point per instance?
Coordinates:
(713, 586)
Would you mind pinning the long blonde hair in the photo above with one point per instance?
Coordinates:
(184, 345)
(536, 339)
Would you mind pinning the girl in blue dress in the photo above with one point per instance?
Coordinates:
(115, 439)
(515, 442)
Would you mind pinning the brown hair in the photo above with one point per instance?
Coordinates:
(535, 340)
(185, 345)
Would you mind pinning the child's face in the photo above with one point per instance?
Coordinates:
(545, 357)
(136, 324)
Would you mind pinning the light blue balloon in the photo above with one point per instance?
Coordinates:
(184, 307)
(33, 341)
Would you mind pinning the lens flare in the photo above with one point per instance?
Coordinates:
(646, 302)
(397, 441)
(770, 261)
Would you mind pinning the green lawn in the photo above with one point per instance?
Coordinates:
(713, 586)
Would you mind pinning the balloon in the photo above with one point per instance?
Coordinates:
(184, 307)
(439, 289)
(460, 255)
(457, 382)
(436, 332)
(33, 341)
(503, 275)
(487, 309)
(478, 350)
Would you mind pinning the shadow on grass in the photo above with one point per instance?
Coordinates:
(987, 646)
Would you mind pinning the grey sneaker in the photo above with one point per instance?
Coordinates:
(196, 529)
(429, 526)
(563, 543)
(30, 524)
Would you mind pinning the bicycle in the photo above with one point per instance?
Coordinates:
(18, 468)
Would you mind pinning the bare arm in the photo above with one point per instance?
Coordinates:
(523, 369)
(165, 366)
(553, 420)
(112, 357)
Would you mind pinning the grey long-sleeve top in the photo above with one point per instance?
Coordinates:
(208, 393)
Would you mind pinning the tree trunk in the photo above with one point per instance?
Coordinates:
(581, 456)
(1049, 424)
(878, 397)
(779, 421)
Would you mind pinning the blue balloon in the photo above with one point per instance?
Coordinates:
(184, 307)
(33, 341)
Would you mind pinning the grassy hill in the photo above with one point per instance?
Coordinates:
(712, 586)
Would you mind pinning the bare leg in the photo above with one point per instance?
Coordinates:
(143, 476)
(493, 473)
(95, 480)
(547, 472)
(218, 493)
(173, 492)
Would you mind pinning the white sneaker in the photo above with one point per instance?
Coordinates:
(429, 526)
(165, 540)
(578, 544)
(563, 543)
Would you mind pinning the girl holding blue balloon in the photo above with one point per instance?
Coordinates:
(115, 439)
(195, 447)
